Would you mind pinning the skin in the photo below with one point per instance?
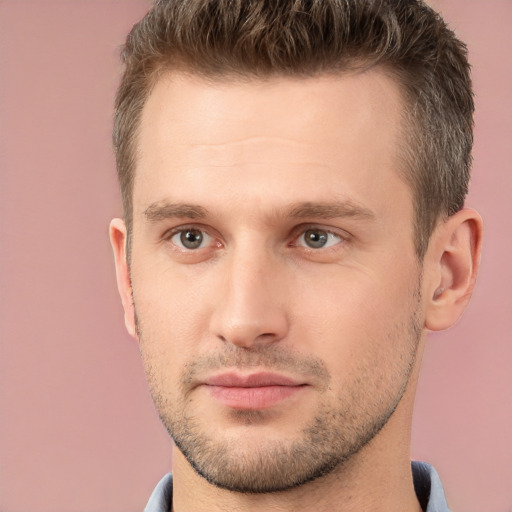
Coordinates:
(252, 167)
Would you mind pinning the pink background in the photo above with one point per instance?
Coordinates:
(78, 430)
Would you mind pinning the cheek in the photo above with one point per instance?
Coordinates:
(352, 297)
(357, 319)
(172, 313)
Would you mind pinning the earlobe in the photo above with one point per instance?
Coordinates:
(118, 237)
(453, 261)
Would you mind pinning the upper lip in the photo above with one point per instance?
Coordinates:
(253, 380)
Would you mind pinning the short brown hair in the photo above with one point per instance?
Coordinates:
(302, 38)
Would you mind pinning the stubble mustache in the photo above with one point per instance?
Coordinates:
(271, 358)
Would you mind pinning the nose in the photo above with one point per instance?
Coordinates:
(251, 310)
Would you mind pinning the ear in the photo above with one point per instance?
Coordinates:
(452, 262)
(118, 237)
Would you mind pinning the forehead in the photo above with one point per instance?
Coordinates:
(194, 105)
(329, 133)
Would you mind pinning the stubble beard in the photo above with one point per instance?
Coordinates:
(325, 445)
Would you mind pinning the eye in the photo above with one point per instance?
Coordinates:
(191, 238)
(315, 238)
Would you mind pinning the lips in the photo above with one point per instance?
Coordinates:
(252, 392)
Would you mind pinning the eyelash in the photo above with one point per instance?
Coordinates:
(297, 233)
(182, 229)
(330, 234)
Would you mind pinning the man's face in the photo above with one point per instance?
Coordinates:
(274, 275)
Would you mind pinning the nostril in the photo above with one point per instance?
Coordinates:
(267, 335)
(247, 339)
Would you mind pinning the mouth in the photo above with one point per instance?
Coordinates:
(253, 391)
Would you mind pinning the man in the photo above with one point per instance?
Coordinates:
(293, 177)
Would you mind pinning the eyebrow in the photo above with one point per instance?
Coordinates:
(338, 209)
(162, 210)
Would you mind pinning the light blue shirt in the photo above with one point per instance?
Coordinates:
(427, 485)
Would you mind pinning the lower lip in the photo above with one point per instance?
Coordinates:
(252, 398)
